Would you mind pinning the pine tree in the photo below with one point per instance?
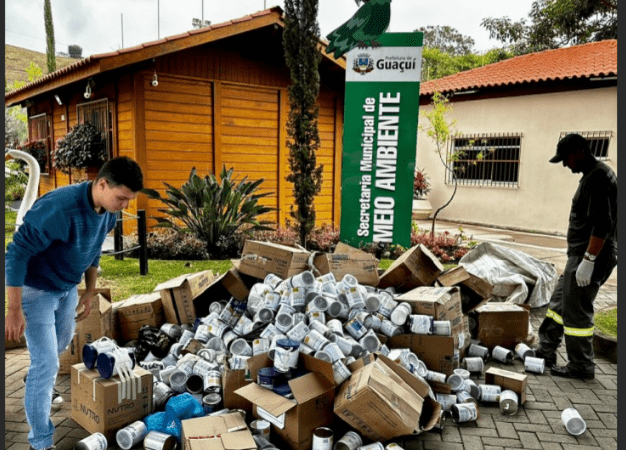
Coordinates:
(300, 39)
(50, 53)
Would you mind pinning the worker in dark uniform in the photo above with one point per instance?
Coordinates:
(591, 257)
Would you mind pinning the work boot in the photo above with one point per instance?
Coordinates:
(57, 399)
(550, 360)
(567, 372)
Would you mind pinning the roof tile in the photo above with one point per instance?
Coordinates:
(580, 61)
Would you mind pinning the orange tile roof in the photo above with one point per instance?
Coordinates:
(597, 59)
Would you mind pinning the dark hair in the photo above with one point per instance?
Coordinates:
(122, 171)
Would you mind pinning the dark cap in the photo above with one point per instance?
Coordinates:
(569, 144)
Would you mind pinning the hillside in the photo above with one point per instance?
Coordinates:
(17, 60)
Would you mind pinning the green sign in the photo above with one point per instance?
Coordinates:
(380, 140)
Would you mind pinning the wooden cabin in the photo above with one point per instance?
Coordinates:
(221, 99)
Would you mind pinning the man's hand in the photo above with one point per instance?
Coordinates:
(85, 301)
(583, 273)
(14, 324)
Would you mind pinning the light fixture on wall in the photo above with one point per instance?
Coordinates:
(58, 99)
(155, 81)
(90, 84)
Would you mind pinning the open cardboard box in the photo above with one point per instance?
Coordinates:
(180, 294)
(474, 290)
(506, 379)
(416, 267)
(258, 259)
(312, 406)
(349, 260)
(382, 400)
(437, 352)
(223, 432)
(135, 312)
(233, 379)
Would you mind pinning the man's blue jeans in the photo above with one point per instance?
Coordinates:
(50, 321)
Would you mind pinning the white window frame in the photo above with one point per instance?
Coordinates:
(104, 125)
(596, 136)
(46, 138)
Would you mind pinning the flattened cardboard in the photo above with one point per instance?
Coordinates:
(137, 311)
(382, 401)
(501, 323)
(224, 432)
(416, 267)
(349, 260)
(312, 406)
(513, 381)
(258, 259)
(105, 414)
(180, 294)
(437, 352)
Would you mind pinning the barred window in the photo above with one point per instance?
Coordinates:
(39, 145)
(598, 142)
(485, 160)
(99, 115)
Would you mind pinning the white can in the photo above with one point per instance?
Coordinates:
(508, 402)
(400, 314)
(284, 322)
(370, 342)
(340, 372)
(355, 298)
(241, 347)
(478, 350)
(316, 316)
(334, 351)
(260, 346)
(261, 427)
(297, 298)
(269, 332)
(421, 324)
(472, 388)
(131, 435)
(464, 412)
(504, 355)
(446, 400)
(272, 280)
(96, 441)
(303, 279)
(523, 351)
(462, 373)
(356, 329)
(387, 304)
(390, 329)
(442, 328)
(321, 328)
(155, 440)
(456, 382)
(489, 392)
(372, 302)
(298, 332)
(532, 364)
(574, 423)
(350, 441)
(315, 340)
(464, 397)
(474, 364)
(436, 376)
(322, 439)
(335, 326)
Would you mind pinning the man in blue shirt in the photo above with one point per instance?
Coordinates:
(60, 240)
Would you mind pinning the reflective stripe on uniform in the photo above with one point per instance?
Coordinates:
(554, 316)
(578, 332)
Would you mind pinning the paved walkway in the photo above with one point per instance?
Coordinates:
(537, 425)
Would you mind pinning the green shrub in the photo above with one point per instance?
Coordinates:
(37, 149)
(172, 245)
(82, 147)
(213, 211)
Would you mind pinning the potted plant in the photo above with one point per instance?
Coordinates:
(80, 150)
(421, 186)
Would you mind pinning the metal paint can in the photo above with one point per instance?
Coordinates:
(372, 446)
(171, 330)
(303, 279)
(131, 435)
(442, 328)
(508, 402)
(504, 355)
(472, 388)
(446, 400)
(315, 340)
(334, 351)
(335, 326)
(306, 350)
(478, 350)
(436, 376)
(322, 439)
(474, 364)
(202, 333)
(298, 332)
(238, 362)
(265, 377)
(217, 328)
(340, 372)
(155, 440)
(194, 384)
(261, 427)
(272, 280)
(523, 351)
(96, 441)
(297, 298)
(400, 314)
(335, 307)
(221, 412)
(464, 397)
(462, 373)
(242, 412)
(212, 381)
(187, 336)
(203, 366)
(211, 403)
(421, 324)
(489, 392)
(175, 349)
(161, 393)
(370, 342)
(217, 307)
(323, 356)
(464, 412)
(91, 351)
(284, 322)
(355, 328)
(260, 346)
(532, 364)
(240, 347)
(262, 443)
(456, 382)
(574, 423)
(273, 342)
(387, 304)
(420, 369)
(178, 380)
(372, 302)
(316, 316)
(350, 441)
(390, 329)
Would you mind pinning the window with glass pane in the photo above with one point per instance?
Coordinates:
(98, 114)
(485, 160)
(39, 145)
(598, 142)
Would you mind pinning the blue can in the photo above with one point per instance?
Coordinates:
(283, 390)
(265, 377)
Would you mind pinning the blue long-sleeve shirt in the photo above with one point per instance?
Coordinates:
(61, 237)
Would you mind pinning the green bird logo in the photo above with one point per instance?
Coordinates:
(362, 30)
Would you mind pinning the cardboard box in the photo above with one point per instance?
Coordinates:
(223, 287)
(99, 406)
(443, 303)
(72, 355)
(416, 267)
(349, 260)
(225, 432)
(383, 400)
(231, 381)
(513, 381)
(504, 324)
(474, 290)
(180, 294)
(294, 420)
(258, 259)
(137, 311)
(437, 352)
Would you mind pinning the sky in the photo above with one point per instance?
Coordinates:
(96, 25)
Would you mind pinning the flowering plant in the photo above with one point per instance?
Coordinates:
(421, 186)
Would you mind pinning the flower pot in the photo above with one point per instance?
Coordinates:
(422, 209)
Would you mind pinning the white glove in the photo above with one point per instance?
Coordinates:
(583, 273)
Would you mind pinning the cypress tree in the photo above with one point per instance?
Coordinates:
(50, 53)
(300, 39)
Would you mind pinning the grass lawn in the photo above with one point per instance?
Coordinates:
(606, 322)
